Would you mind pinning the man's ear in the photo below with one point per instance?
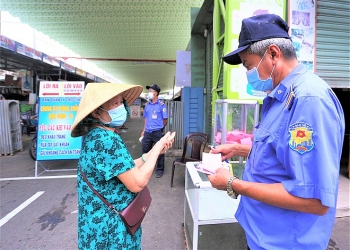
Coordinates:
(275, 52)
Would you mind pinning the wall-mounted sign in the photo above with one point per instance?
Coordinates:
(27, 51)
(51, 60)
(67, 67)
(137, 102)
(183, 68)
(303, 31)
(98, 79)
(80, 72)
(7, 43)
(235, 79)
(58, 104)
(135, 111)
(90, 76)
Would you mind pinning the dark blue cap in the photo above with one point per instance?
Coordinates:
(255, 29)
(154, 87)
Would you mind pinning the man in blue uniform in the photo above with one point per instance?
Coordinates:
(290, 183)
(156, 118)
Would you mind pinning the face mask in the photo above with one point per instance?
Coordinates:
(255, 81)
(118, 116)
(150, 96)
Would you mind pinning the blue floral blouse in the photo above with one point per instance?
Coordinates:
(103, 157)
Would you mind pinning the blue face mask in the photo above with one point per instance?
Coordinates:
(254, 79)
(118, 116)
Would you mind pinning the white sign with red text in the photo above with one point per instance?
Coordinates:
(135, 111)
(61, 89)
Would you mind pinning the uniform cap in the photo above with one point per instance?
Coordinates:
(257, 28)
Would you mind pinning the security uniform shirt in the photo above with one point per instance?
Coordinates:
(298, 143)
(155, 113)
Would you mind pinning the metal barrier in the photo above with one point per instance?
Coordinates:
(175, 122)
(10, 128)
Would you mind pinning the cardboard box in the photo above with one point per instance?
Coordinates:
(8, 80)
(18, 82)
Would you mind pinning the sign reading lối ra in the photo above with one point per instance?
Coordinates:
(58, 104)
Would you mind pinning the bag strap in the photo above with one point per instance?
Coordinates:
(98, 194)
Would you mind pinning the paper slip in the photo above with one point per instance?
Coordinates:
(199, 167)
(211, 162)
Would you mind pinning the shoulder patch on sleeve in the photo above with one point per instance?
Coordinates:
(164, 110)
(301, 137)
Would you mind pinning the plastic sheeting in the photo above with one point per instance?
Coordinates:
(10, 127)
(175, 122)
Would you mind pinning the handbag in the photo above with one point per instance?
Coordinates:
(132, 215)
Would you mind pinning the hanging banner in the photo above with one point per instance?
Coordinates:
(58, 104)
(235, 79)
(7, 43)
(51, 60)
(90, 76)
(183, 68)
(67, 67)
(80, 72)
(30, 52)
(302, 23)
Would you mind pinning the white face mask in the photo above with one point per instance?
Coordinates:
(150, 96)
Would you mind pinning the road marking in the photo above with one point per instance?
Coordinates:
(38, 178)
(20, 208)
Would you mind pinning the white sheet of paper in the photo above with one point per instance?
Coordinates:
(199, 168)
(211, 162)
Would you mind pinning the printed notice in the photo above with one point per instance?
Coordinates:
(58, 104)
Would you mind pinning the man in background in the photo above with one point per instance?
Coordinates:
(156, 118)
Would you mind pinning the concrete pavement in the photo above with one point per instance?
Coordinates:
(49, 221)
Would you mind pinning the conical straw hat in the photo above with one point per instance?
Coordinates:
(95, 94)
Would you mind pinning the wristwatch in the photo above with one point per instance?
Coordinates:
(230, 191)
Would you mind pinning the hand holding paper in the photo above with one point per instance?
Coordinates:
(210, 163)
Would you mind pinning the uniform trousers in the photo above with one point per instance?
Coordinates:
(149, 139)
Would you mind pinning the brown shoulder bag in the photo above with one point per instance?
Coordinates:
(133, 214)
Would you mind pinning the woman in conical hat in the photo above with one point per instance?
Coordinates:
(108, 166)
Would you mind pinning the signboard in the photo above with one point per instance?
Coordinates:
(7, 43)
(137, 102)
(80, 72)
(58, 104)
(67, 67)
(98, 79)
(183, 68)
(303, 31)
(90, 76)
(30, 52)
(235, 79)
(51, 60)
(135, 111)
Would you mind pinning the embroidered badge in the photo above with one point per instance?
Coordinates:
(301, 137)
(164, 110)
